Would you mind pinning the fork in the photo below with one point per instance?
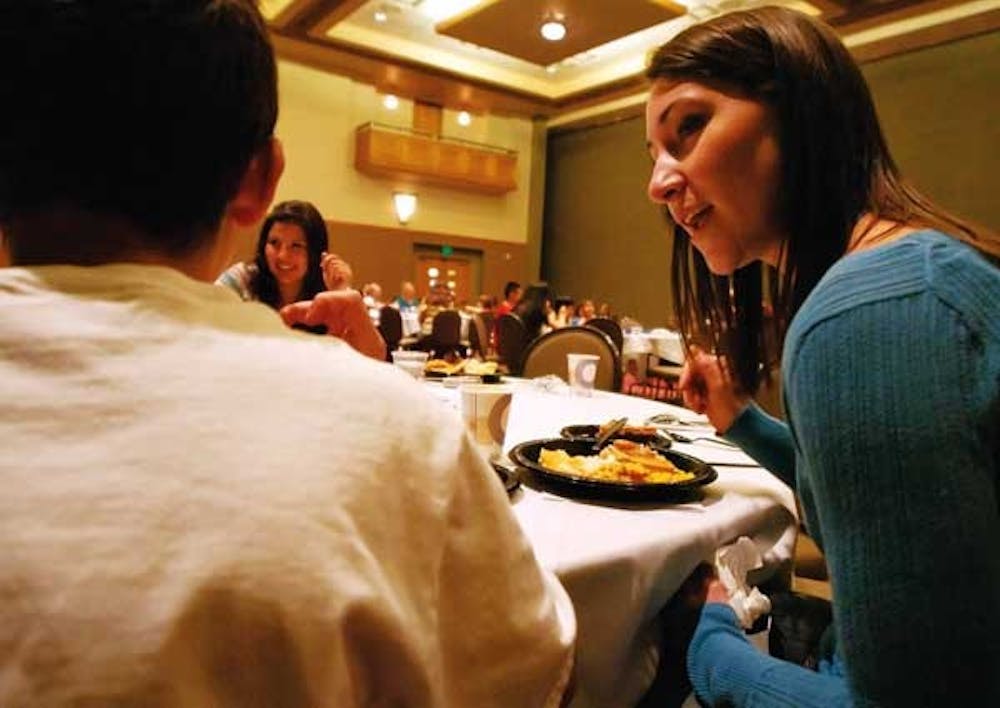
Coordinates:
(677, 437)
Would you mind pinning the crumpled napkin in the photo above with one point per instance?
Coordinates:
(732, 564)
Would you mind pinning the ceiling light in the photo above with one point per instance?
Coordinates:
(390, 102)
(405, 205)
(464, 119)
(381, 16)
(553, 30)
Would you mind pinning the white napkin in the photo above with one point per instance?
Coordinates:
(732, 563)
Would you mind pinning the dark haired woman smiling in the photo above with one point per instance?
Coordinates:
(292, 262)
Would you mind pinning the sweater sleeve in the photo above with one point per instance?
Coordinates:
(767, 440)
(725, 669)
(891, 403)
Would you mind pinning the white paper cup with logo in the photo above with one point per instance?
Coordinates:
(412, 362)
(484, 410)
(582, 372)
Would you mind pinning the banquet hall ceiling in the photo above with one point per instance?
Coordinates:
(488, 55)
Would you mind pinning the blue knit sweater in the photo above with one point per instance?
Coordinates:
(891, 376)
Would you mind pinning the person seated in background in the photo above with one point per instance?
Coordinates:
(561, 314)
(767, 149)
(200, 507)
(534, 308)
(291, 262)
(584, 311)
(292, 265)
(440, 297)
(485, 305)
(371, 296)
(407, 300)
(511, 296)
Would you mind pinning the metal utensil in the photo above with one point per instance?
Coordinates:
(613, 429)
(677, 437)
(668, 419)
(507, 471)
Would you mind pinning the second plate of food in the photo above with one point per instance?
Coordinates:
(624, 470)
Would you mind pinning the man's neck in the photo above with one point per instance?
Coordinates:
(70, 236)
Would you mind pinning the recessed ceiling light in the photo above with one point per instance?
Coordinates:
(553, 30)
(390, 102)
(381, 16)
(464, 119)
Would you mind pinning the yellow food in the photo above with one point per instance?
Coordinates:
(480, 368)
(440, 366)
(622, 461)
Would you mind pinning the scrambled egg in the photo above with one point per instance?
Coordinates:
(622, 461)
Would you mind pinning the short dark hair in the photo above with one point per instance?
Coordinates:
(835, 167)
(147, 110)
(509, 288)
(306, 217)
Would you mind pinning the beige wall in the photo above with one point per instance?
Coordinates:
(602, 238)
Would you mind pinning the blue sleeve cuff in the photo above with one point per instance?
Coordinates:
(766, 439)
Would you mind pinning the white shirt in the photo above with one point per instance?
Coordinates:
(202, 507)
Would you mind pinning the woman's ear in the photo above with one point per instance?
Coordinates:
(256, 190)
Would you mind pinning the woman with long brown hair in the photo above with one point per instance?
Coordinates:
(768, 156)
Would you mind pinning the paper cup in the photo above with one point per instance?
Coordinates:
(582, 372)
(412, 362)
(485, 409)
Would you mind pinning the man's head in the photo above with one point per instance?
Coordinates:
(149, 112)
(512, 292)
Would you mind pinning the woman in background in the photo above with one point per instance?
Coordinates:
(310, 288)
(292, 262)
(534, 308)
(766, 149)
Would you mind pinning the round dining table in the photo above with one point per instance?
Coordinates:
(621, 562)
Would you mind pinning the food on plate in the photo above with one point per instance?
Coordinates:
(475, 367)
(443, 367)
(622, 461)
(629, 431)
(472, 367)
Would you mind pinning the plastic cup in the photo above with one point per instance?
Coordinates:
(582, 372)
(484, 410)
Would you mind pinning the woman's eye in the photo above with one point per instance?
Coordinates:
(691, 123)
(298, 246)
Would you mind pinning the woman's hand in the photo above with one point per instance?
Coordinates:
(337, 274)
(708, 387)
(344, 314)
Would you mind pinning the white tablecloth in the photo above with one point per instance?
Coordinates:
(621, 563)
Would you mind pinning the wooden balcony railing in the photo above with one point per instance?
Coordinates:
(402, 154)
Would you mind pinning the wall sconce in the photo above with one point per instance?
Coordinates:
(405, 205)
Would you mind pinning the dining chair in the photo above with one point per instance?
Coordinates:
(512, 338)
(479, 338)
(390, 326)
(610, 328)
(547, 355)
(446, 334)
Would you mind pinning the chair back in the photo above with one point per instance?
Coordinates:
(390, 326)
(479, 338)
(610, 328)
(446, 328)
(547, 355)
(511, 341)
